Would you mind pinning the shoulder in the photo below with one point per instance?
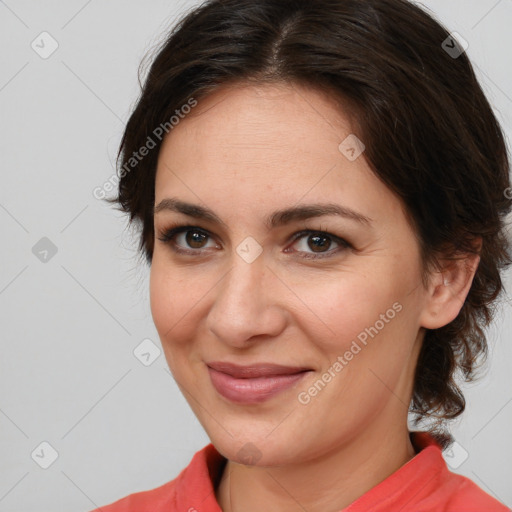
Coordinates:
(448, 491)
(465, 495)
(193, 486)
(159, 499)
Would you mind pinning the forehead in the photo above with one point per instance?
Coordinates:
(258, 129)
(255, 146)
(262, 111)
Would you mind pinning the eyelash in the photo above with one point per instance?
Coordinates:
(168, 237)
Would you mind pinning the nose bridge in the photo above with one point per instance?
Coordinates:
(244, 280)
(243, 284)
(244, 303)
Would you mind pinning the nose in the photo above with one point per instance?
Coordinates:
(247, 304)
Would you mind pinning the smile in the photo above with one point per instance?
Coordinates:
(253, 384)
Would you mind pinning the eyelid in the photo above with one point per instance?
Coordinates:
(168, 236)
(343, 244)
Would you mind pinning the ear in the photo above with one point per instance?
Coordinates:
(448, 289)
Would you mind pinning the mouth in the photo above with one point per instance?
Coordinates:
(253, 383)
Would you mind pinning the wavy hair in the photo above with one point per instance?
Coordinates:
(430, 135)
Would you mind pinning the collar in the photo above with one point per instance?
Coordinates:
(195, 486)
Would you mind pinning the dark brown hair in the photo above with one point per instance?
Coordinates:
(430, 135)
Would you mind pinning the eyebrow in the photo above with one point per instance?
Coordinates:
(275, 219)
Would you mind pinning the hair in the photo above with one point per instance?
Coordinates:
(430, 134)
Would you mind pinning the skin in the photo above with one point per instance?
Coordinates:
(244, 152)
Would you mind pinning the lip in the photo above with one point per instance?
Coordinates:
(253, 383)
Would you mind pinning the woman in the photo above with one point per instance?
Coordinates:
(321, 189)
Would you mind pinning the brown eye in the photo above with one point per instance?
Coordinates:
(185, 239)
(317, 244)
(195, 238)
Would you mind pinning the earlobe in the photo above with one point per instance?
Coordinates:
(447, 291)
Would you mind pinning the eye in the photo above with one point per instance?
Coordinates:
(319, 242)
(191, 240)
(185, 239)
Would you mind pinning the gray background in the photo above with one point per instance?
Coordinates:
(70, 322)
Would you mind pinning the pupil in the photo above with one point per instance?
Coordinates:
(194, 237)
(316, 245)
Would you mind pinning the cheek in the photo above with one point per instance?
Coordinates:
(172, 299)
(347, 306)
(159, 296)
(171, 308)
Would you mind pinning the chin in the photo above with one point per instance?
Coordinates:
(257, 449)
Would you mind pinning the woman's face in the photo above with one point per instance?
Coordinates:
(246, 290)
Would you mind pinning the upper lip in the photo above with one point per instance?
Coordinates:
(255, 370)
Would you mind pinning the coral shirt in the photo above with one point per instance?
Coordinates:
(424, 484)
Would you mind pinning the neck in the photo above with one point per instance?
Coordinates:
(329, 482)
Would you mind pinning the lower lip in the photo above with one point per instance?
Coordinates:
(254, 390)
